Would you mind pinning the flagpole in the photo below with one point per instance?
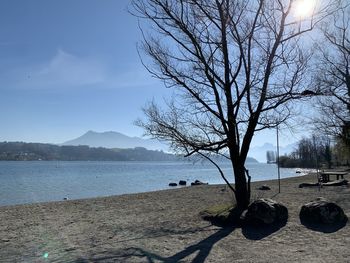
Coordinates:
(278, 162)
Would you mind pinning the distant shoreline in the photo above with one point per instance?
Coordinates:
(20, 151)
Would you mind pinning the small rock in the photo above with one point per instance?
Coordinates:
(172, 184)
(197, 182)
(182, 182)
(264, 187)
(322, 211)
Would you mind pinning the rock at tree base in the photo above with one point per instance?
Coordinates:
(321, 211)
(264, 187)
(222, 215)
(265, 211)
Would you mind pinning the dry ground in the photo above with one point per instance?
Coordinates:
(164, 226)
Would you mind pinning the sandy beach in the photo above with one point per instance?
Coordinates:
(165, 226)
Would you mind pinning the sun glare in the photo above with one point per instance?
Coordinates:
(304, 8)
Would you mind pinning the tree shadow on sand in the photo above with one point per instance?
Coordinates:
(201, 249)
(258, 232)
(253, 231)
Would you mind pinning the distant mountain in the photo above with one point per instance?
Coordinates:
(251, 160)
(113, 139)
(220, 159)
(259, 152)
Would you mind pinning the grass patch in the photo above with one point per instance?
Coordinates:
(221, 214)
(218, 209)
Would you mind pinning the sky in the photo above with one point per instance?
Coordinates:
(67, 67)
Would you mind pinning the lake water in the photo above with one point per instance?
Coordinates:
(41, 181)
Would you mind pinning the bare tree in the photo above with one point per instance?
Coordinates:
(334, 77)
(235, 65)
(310, 152)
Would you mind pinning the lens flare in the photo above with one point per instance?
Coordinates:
(304, 8)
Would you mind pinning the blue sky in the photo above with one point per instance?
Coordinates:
(67, 67)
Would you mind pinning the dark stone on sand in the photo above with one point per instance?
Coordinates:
(265, 211)
(333, 183)
(336, 183)
(197, 182)
(172, 184)
(322, 211)
(264, 187)
(182, 182)
(308, 185)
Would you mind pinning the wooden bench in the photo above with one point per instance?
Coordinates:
(324, 176)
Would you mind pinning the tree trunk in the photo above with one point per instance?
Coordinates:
(242, 193)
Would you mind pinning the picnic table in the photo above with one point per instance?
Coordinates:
(324, 176)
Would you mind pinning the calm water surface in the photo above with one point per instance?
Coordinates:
(30, 182)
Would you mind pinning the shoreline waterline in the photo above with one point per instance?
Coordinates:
(169, 189)
(165, 226)
(34, 182)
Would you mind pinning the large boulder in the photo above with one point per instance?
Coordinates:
(321, 211)
(265, 211)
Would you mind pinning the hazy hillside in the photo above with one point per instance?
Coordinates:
(20, 151)
(113, 139)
